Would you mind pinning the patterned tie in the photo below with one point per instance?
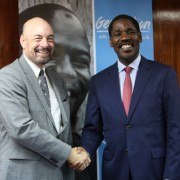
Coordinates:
(44, 86)
(127, 89)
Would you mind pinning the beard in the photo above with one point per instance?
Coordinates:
(43, 55)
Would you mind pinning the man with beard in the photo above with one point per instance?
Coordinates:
(71, 60)
(134, 106)
(35, 130)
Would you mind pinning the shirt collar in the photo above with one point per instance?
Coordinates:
(34, 67)
(134, 64)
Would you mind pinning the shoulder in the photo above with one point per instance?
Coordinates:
(107, 71)
(10, 69)
(155, 65)
(12, 75)
(159, 70)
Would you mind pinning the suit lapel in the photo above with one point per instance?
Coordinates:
(61, 96)
(114, 85)
(142, 78)
(35, 85)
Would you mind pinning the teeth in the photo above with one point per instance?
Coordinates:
(43, 52)
(125, 47)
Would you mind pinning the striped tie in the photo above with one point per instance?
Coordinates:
(44, 86)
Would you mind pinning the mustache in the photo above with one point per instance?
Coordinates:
(47, 49)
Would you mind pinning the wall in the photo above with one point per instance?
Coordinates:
(9, 38)
(166, 21)
(166, 24)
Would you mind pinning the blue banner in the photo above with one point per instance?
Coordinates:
(104, 12)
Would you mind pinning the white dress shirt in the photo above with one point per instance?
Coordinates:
(122, 74)
(55, 109)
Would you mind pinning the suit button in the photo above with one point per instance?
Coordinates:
(126, 150)
(128, 126)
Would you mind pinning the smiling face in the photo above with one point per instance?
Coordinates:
(125, 39)
(37, 41)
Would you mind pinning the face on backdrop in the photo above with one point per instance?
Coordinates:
(37, 41)
(71, 58)
(125, 39)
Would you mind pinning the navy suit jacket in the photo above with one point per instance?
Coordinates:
(147, 142)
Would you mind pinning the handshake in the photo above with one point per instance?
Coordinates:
(79, 159)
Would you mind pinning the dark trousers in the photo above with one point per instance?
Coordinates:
(90, 173)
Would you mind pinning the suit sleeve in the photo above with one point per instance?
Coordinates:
(92, 134)
(172, 118)
(17, 120)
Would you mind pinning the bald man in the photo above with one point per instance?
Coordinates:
(35, 131)
(71, 61)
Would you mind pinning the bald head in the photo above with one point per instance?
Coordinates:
(37, 41)
(35, 23)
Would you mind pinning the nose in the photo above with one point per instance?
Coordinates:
(67, 67)
(44, 42)
(125, 35)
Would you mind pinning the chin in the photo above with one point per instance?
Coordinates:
(43, 61)
(129, 58)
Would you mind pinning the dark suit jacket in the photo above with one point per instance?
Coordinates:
(30, 146)
(147, 142)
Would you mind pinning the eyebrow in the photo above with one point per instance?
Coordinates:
(51, 35)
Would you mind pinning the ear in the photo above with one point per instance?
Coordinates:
(140, 37)
(110, 42)
(22, 41)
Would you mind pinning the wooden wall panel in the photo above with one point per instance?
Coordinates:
(9, 38)
(166, 23)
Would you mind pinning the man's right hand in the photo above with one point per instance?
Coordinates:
(78, 159)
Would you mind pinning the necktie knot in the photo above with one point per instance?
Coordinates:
(128, 69)
(41, 73)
